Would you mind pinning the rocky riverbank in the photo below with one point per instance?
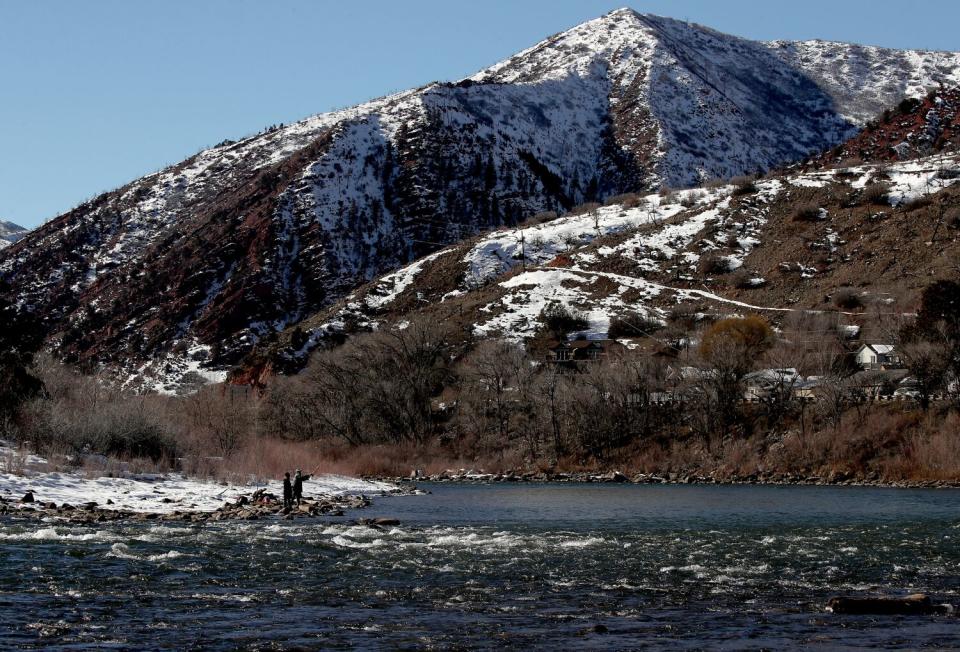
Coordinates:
(260, 504)
(31, 487)
(833, 479)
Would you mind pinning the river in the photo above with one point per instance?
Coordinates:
(500, 566)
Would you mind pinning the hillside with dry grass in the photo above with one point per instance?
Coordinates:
(853, 245)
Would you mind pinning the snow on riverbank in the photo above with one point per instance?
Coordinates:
(163, 493)
(156, 492)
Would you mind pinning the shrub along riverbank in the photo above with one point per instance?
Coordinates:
(426, 397)
(561, 423)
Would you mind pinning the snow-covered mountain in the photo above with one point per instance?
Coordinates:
(10, 233)
(196, 263)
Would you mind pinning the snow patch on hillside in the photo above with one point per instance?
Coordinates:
(177, 372)
(392, 285)
(517, 313)
(649, 249)
(540, 244)
(916, 179)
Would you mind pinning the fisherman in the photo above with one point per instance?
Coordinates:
(287, 491)
(298, 486)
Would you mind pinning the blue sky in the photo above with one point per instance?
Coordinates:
(96, 93)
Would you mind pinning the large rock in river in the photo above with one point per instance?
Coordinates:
(916, 604)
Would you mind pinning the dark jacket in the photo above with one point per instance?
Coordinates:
(287, 488)
(298, 485)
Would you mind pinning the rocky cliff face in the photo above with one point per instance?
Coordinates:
(184, 270)
(915, 128)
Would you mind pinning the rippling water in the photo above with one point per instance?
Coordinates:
(549, 567)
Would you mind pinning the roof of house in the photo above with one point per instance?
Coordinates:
(586, 344)
(773, 375)
(582, 344)
(689, 373)
(809, 382)
(879, 349)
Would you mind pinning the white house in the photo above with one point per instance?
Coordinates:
(877, 356)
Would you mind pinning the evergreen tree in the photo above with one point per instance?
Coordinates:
(592, 193)
(496, 217)
(490, 175)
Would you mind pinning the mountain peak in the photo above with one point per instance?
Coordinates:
(10, 230)
(573, 51)
(10, 233)
(247, 238)
(622, 17)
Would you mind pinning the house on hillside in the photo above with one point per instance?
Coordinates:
(878, 356)
(582, 350)
(765, 383)
(806, 389)
(872, 384)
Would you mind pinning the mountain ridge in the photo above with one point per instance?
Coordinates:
(208, 257)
